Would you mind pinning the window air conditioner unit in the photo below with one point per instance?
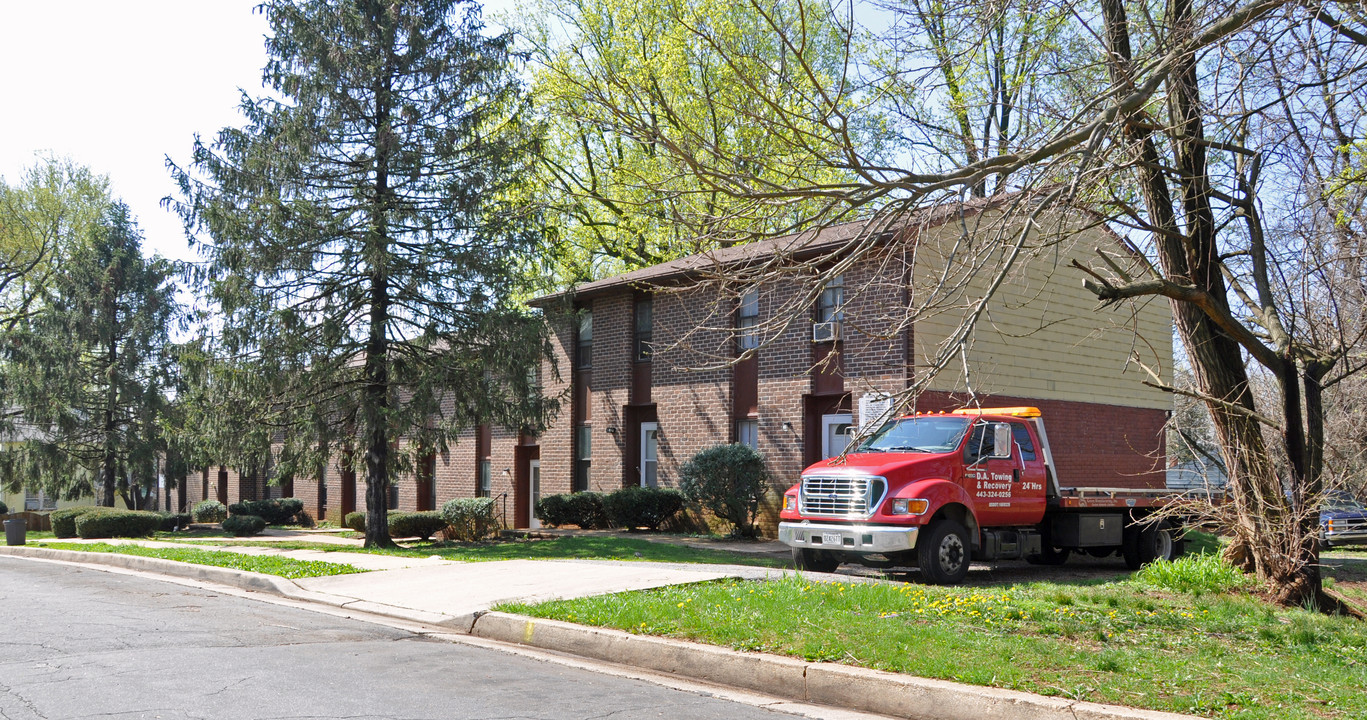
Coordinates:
(826, 331)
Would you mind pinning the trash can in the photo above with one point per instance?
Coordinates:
(14, 531)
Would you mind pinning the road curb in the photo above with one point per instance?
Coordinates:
(874, 691)
(240, 579)
(842, 686)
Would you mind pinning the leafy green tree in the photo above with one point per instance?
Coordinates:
(632, 90)
(362, 232)
(87, 369)
(54, 207)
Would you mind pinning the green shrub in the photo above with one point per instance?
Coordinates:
(1195, 574)
(174, 521)
(244, 525)
(470, 518)
(553, 510)
(64, 521)
(305, 520)
(4, 509)
(729, 480)
(416, 524)
(277, 511)
(635, 507)
(111, 523)
(355, 521)
(586, 510)
(209, 511)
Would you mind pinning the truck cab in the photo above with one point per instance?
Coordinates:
(939, 490)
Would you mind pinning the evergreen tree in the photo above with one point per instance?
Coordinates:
(361, 234)
(87, 369)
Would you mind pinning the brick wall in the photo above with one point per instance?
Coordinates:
(693, 405)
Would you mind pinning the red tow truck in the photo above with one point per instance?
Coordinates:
(937, 491)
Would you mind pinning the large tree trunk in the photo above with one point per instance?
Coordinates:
(1267, 537)
(377, 387)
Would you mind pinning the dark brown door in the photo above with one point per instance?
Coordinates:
(348, 494)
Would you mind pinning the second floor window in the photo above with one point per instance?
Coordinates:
(584, 350)
(644, 322)
(747, 318)
(830, 306)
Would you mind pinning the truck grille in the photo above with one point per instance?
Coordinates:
(841, 495)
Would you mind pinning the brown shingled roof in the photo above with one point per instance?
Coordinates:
(801, 245)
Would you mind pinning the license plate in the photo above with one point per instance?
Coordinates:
(831, 539)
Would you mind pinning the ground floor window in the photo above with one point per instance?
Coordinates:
(747, 433)
(39, 501)
(485, 488)
(583, 456)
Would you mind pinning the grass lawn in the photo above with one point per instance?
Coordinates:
(266, 564)
(1185, 638)
(589, 548)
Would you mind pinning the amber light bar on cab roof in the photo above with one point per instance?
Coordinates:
(1022, 411)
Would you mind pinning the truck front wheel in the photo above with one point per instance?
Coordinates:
(815, 560)
(944, 553)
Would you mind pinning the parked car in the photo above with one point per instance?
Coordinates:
(1343, 520)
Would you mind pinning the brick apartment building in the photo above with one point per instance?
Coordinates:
(647, 361)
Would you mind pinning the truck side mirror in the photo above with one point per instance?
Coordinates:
(1001, 440)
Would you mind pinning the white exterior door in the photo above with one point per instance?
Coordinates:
(649, 448)
(836, 431)
(534, 483)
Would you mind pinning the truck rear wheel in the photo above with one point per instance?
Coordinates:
(944, 554)
(815, 560)
(1144, 545)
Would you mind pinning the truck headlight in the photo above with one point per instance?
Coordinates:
(910, 506)
(789, 502)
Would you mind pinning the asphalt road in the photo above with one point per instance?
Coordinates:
(77, 643)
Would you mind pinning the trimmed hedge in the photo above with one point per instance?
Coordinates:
(4, 509)
(470, 519)
(648, 507)
(277, 511)
(244, 525)
(209, 511)
(171, 521)
(111, 523)
(421, 525)
(584, 509)
(64, 521)
(355, 521)
(730, 480)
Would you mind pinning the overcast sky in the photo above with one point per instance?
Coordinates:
(118, 86)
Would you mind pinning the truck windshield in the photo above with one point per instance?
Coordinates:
(919, 434)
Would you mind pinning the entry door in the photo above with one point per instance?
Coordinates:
(534, 477)
(836, 431)
(649, 446)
